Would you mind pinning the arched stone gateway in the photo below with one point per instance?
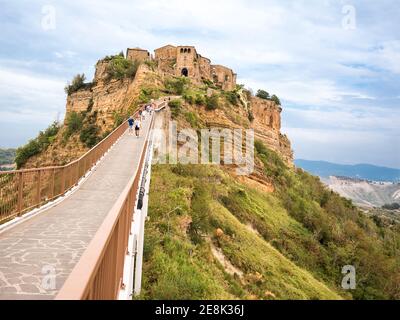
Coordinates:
(185, 72)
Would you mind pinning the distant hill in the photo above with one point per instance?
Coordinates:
(360, 171)
(7, 156)
(364, 193)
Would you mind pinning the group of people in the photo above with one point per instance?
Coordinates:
(137, 122)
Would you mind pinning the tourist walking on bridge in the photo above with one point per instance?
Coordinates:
(137, 126)
(130, 123)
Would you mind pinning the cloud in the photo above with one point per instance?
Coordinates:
(316, 92)
(328, 78)
(29, 102)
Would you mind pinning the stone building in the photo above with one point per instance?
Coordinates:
(137, 54)
(186, 61)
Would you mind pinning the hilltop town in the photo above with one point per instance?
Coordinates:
(122, 82)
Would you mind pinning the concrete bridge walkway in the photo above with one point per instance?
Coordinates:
(42, 251)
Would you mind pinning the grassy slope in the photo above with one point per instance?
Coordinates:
(300, 236)
(178, 259)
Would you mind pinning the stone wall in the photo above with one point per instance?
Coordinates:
(186, 60)
(137, 54)
(204, 68)
(223, 77)
(182, 60)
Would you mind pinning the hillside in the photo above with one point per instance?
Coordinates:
(7, 156)
(277, 233)
(360, 171)
(365, 193)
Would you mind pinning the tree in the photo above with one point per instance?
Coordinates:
(77, 82)
(276, 100)
(262, 94)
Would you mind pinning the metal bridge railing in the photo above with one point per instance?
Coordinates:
(24, 190)
(98, 275)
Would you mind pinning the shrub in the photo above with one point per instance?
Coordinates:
(276, 100)
(74, 122)
(177, 85)
(262, 94)
(89, 135)
(120, 68)
(175, 106)
(37, 145)
(78, 82)
(392, 206)
(118, 119)
(189, 98)
(152, 64)
(231, 97)
(199, 100)
(148, 93)
(250, 116)
(212, 102)
(24, 153)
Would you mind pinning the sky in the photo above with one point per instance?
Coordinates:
(334, 64)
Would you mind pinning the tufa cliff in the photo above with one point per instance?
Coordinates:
(122, 83)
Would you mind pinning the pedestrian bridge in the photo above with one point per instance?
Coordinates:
(69, 232)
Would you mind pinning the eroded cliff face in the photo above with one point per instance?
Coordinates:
(104, 99)
(108, 96)
(267, 126)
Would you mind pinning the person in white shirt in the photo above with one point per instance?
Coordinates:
(137, 125)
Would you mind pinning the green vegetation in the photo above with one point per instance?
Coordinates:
(265, 95)
(288, 244)
(120, 67)
(37, 145)
(176, 107)
(77, 83)
(83, 123)
(73, 122)
(7, 156)
(262, 94)
(89, 135)
(341, 234)
(152, 64)
(231, 97)
(199, 100)
(276, 100)
(186, 208)
(193, 119)
(212, 102)
(391, 206)
(148, 93)
(189, 98)
(177, 86)
(119, 118)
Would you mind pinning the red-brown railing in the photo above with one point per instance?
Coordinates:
(99, 272)
(24, 190)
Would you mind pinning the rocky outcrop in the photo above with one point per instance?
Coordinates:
(267, 126)
(107, 96)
